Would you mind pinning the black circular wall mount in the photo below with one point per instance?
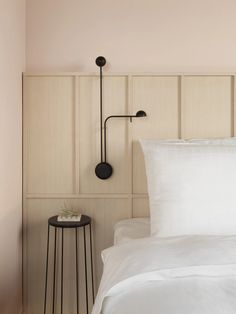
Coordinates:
(100, 61)
(103, 170)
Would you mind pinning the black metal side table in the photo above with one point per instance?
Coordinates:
(52, 222)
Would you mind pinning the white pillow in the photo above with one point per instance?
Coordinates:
(192, 186)
(205, 141)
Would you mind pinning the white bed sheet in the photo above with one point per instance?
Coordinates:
(130, 229)
(177, 275)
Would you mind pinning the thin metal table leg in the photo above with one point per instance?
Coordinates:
(54, 271)
(91, 259)
(85, 269)
(46, 278)
(62, 260)
(77, 270)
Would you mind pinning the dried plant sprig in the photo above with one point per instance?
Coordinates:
(69, 213)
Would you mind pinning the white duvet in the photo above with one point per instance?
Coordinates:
(177, 275)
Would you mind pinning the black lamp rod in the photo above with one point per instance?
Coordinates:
(101, 114)
(100, 62)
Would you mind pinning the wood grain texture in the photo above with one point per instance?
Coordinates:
(141, 207)
(206, 106)
(48, 105)
(158, 96)
(118, 146)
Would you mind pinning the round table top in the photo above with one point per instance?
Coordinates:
(85, 220)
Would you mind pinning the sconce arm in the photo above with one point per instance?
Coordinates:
(105, 130)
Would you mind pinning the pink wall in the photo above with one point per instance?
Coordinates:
(12, 42)
(134, 35)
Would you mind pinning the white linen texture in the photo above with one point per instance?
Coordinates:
(174, 275)
(129, 229)
(191, 186)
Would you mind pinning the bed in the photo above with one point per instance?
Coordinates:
(172, 265)
(150, 275)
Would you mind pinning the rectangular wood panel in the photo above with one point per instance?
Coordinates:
(159, 97)
(206, 106)
(118, 143)
(48, 122)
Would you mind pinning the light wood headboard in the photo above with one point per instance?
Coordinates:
(61, 149)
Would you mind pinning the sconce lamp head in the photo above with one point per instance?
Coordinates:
(100, 61)
(140, 114)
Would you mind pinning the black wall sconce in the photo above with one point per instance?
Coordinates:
(104, 170)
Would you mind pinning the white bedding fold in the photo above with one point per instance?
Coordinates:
(182, 259)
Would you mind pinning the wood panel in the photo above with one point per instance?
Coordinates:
(48, 119)
(159, 97)
(62, 148)
(105, 213)
(141, 207)
(207, 106)
(118, 142)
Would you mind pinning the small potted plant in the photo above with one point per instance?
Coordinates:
(68, 214)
